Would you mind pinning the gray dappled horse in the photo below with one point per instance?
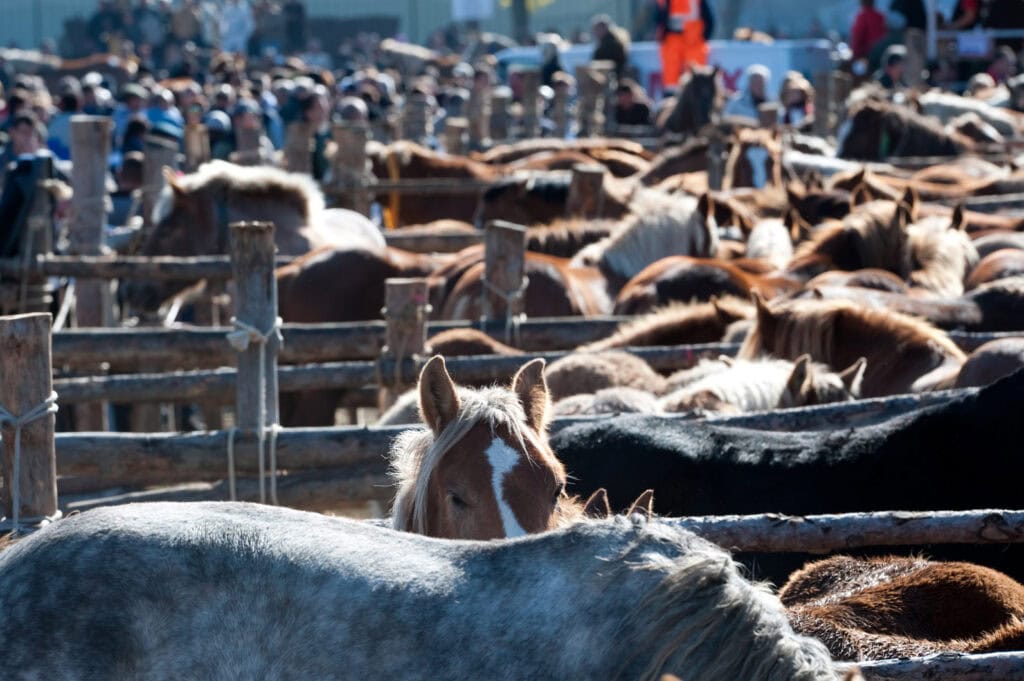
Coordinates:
(241, 591)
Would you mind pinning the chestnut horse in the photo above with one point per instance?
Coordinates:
(889, 607)
(192, 216)
(678, 324)
(904, 354)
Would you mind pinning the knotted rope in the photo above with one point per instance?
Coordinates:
(240, 339)
(511, 298)
(41, 410)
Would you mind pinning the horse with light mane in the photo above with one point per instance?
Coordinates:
(482, 468)
(243, 591)
(903, 354)
(192, 216)
(889, 607)
(677, 324)
(942, 253)
(764, 384)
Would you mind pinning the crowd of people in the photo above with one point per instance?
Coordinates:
(248, 68)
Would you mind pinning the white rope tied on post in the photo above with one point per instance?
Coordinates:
(240, 339)
(41, 410)
(512, 321)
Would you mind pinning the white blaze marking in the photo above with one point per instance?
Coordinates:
(758, 159)
(503, 459)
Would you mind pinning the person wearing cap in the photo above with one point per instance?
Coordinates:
(890, 76)
(745, 103)
(683, 29)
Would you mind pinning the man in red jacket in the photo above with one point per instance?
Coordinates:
(868, 28)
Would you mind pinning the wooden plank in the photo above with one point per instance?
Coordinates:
(298, 148)
(455, 131)
(351, 166)
(197, 146)
(163, 268)
(944, 667)
(25, 384)
(530, 87)
(218, 384)
(772, 532)
(186, 347)
(433, 242)
(405, 335)
(36, 239)
(586, 191)
(158, 153)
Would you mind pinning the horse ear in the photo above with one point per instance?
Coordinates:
(853, 376)
(706, 206)
(860, 194)
(760, 304)
(903, 216)
(959, 221)
(644, 504)
(532, 389)
(597, 505)
(909, 198)
(439, 403)
(797, 377)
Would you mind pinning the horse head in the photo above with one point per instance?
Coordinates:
(184, 224)
(812, 383)
(483, 468)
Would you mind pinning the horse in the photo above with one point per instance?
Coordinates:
(991, 361)
(493, 435)
(504, 154)
(904, 354)
(468, 342)
(680, 278)
(689, 157)
(771, 241)
(566, 238)
(540, 198)
(755, 160)
(408, 160)
(677, 324)
(233, 591)
(942, 253)
(891, 606)
(947, 107)
(618, 163)
(692, 108)
(616, 400)
(720, 467)
(192, 215)
(588, 372)
(764, 384)
(876, 130)
(1006, 262)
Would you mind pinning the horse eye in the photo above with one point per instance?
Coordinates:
(559, 493)
(457, 501)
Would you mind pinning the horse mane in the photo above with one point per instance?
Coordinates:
(637, 331)
(565, 238)
(416, 454)
(702, 607)
(918, 134)
(944, 256)
(809, 326)
(549, 186)
(878, 240)
(257, 182)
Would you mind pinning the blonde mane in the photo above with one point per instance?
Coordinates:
(416, 454)
(944, 256)
(879, 239)
(809, 326)
(257, 182)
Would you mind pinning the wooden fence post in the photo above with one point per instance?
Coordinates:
(351, 166)
(247, 147)
(197, 146)
(586, 191)
(504, 273)
(478, 111)
(590, 108)
(257, 337)
(33, 292)
(768, 115)
(90, 142)
(454, 134)
(25, 385)
(406, 315)
(842, 86)
(531, 102)
(159, 152)
(501, 98)
(417, 118)
(298, 148)
(822, 104)
(560, 112)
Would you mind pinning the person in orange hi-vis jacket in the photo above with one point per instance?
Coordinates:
(683, 28)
